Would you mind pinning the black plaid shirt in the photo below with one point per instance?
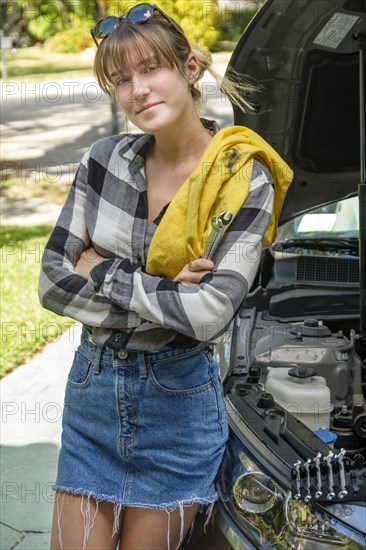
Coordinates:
(122, 305)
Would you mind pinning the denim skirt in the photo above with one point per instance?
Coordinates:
(142, 429)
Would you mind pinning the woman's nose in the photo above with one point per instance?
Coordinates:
(140, 87)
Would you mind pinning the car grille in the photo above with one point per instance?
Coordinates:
(327, 270)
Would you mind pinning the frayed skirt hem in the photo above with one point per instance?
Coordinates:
(119, 506)
(167, 507)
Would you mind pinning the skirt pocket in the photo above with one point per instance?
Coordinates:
(79, 375)
(183, 375)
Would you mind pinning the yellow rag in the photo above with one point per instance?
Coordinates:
(220, 182)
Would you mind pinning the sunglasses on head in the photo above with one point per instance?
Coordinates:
(136, 15)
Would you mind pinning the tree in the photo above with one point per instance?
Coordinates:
(36, 20)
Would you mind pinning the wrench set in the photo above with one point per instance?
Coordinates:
(333, 477)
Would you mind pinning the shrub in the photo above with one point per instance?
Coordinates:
(72, 40)
(196, 17)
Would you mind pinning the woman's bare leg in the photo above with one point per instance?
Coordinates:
(150, 529)
(81, 522)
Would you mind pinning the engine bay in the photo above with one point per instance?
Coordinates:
(297, 366)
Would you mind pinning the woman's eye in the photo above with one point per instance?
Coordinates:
(123, 80)
(151, 68)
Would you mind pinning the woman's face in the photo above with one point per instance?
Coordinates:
(153, 97)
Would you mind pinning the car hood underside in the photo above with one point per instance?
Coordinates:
(305, 58)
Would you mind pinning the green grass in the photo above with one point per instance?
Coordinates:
(29, 63)
(25, 326)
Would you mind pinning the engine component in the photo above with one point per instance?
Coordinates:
(307, 344)
(301, 392)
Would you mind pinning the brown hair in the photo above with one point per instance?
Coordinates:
(170, 48)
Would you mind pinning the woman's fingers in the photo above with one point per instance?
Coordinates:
(192, 273)
(88, 259)
(190, 279)
(201, 265)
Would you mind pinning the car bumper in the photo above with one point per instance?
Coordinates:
(230, 531)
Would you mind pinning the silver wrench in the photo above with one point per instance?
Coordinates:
(297, 465)
(308, 484)
(328, 460)
(218, 224)
(319, 491)
(342, 477)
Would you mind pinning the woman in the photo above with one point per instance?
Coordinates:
(144, 426)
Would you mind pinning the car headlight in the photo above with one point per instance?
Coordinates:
(267, 514)
(254, 492)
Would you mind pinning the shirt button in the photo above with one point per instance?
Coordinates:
(122, 354)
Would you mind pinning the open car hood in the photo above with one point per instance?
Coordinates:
(304, 54)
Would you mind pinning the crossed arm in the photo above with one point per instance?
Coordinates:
(190, 275)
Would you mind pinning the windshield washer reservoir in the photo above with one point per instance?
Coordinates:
(302, 393)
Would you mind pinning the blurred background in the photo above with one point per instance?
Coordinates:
(63, 26)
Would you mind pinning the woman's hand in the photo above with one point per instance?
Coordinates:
(88, 259)
(192, 273)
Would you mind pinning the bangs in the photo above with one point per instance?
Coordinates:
(129, 45)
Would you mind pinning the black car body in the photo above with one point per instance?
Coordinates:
(282, 485)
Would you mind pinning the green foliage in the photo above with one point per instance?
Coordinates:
(66, 24)
(74, 39)
(37, 20)
(205, 22)
(44, 20)
(231, 24)
(196, 17)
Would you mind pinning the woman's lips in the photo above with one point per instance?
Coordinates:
(148, 106)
